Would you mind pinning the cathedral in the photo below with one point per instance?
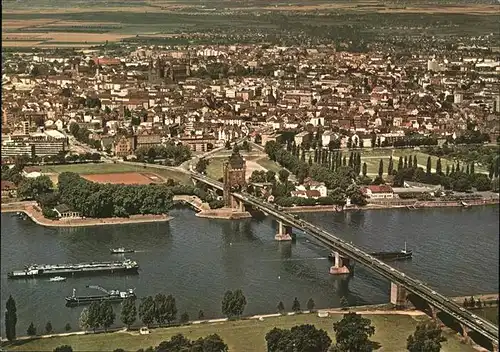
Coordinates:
(163, 71)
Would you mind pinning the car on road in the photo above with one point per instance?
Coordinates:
(462, 309)
(433, 292)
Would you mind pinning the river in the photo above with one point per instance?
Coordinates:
(196, 260)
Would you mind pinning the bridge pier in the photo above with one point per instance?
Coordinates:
(398, 296)
(465, 333)
(237, 204)
(284, 232)
(340, 265)
(434, 313)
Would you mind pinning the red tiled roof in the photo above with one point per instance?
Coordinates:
(379, 188)
(313, 193)
(106, 61)
(29, 169)
(7, 185)
(309, 193)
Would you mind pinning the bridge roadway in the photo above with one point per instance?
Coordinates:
(462, 315)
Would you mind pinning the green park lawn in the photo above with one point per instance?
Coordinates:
(372, 159)
(422, 159)
(106, 168)
(391, 332)
(268, 164)
(214, 168)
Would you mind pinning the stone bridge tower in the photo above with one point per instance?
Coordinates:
(234, 170)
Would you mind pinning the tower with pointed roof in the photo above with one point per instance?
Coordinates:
(234, 171)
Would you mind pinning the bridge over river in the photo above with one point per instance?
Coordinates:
(400, 282)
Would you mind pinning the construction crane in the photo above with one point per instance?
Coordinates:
(98, 288)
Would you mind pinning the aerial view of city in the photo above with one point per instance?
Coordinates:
(250, 175)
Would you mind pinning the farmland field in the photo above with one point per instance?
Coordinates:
(69, 23)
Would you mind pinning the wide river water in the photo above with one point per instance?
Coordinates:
(196, 260)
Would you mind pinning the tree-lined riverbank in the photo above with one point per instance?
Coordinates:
(391, 331)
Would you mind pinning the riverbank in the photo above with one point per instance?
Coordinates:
(391, 331)
(203, 210)
(391, 205)
(223, 213)
(34, 213)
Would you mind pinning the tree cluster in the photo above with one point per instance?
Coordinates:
(63, 348)
(191, 190)
(487, 156)
(426, 338)
(82, 135)
(301, 338)
(176, 154)
(61, 158)
(159, 308)
(97, 200)
(412, 141)
(260, 176)
(13, 174)
(337, 175)
(470, 137)
(233, 303)
(179, 343)
(10, 319)
(98, 314)
(476, 303)
(201, 165)
(459, 178)
(32, 188)
(352, 333)
(299, 201)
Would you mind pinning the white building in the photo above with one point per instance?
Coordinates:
(313, 186)
(378, 192)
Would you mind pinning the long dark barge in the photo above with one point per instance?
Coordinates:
(35, 270)
(403, 254)
(392, 256)
(110, 296)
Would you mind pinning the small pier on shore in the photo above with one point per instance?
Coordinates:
(192, 201)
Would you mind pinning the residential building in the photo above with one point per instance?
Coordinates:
(378, 191)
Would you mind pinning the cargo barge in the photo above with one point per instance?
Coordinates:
(393, 256)
(110, 296)
(403, 254)
(35, 270)
(121, 250)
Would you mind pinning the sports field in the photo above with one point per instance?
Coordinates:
(128, 178)
(117, 169)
